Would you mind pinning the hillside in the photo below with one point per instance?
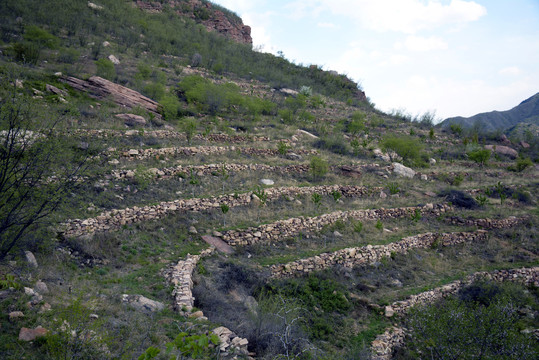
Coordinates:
(526, 112)
(167, 192)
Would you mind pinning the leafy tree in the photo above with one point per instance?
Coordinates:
(37, 171)
(480, 156)
(480, 326)
(405, 146)
(319, 167)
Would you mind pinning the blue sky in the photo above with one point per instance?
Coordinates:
(454, 57)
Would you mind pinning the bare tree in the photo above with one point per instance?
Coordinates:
(37, 170)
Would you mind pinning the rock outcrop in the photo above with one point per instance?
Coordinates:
(100, 88)
(207, 14)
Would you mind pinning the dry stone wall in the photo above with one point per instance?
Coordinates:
(163, 134)
(351, 257)
(285, 229)
(114, 219)
(136, 154)
(383, 346)
(487, 223)
(181, 276)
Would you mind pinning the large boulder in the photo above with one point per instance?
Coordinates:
(402, 170)
(26, 334)
(142, 303)
(132, 119)
(503, 150)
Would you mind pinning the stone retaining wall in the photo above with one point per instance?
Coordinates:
(487, 223)
(181, 276)
(383, 346)
(136, 154)
(114, 219)
(285, 229)
(351, 257)
(163, 134)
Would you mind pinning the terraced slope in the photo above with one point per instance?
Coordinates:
(244, 219)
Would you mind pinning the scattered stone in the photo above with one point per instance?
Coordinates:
(303, 132)
(94, 316)
(388, 311)
(219, 244)
(432, 161)
(93, 6)
(113, 59)
(402, 170)
(31, 259)
(105, 44)
(142, 303)
(430, 193)
(267, 182)
(524, 144)
(196, 315)
(114, 162)
(41, 287)
(19, 84)
(55, 90)
(380, 155)
(28, 291)
(289, 92)
(58, 74)
(44, 308)
(337, 234)
(424, 177)
(193, 230)
(383, 195)
(15, 315)
(31, 334)
(293, 156)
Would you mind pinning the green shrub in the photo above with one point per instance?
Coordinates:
(406, 147)
(318, 167)
(154, 91)
(105, 69)
(480, 156)
(68, 56)
(25, 52)
(456, 129)
(40, 37)
(379, 225)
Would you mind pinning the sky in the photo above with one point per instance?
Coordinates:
(451, 57)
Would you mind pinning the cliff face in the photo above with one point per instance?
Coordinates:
(212, 17)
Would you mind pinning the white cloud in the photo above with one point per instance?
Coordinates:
(327, 25)
(407, 16)
(418, 43)
(511, 70)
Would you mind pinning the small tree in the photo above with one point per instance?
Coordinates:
(37, 171)
(317, 200)
(224, 210)
(318, 167)
(262, 197)
(480, 156)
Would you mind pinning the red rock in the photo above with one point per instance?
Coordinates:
(31, 334)
(504, 150)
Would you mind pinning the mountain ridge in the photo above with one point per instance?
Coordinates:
(526, 112)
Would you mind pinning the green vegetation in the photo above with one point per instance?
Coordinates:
(406, 147)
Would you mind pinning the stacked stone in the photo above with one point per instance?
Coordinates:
(488, 223)
(114, 219)
(383, 346)
(351, 257)
(285, 229)
(163, 134)
(527, 276)
(210, 169)
(135, 154)
(181, 276)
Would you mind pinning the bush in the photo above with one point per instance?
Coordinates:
(334, 144)
(25, 52)
(480, 156)
(482, 323)
(318, 167)
(105, 69)
(406, 147)
(68, 56)
(40, 37)
(459, 199)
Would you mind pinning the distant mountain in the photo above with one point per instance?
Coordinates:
(526, 112)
